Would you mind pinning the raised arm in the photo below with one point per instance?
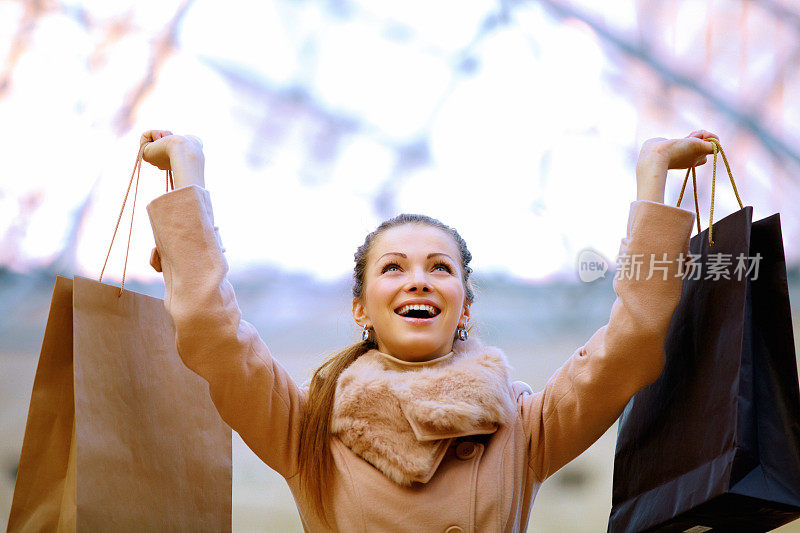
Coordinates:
(588, 393)
(253, 393)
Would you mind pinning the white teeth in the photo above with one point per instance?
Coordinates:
(407, 308)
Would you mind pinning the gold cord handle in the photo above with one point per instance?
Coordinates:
(137, 167)
(717, 148)
(694, 189)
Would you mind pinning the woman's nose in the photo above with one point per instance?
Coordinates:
(419, 282)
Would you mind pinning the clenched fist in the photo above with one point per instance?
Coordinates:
(183, 154)
(659, 155)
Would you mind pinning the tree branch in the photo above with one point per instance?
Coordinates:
(774, 145)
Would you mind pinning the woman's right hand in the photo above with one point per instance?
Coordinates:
(658, 155)
(183, 154)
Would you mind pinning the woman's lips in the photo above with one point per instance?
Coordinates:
(418, 321)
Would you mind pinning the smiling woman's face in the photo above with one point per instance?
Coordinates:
(413, 264)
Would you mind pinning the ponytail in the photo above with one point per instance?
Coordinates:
(315, 456)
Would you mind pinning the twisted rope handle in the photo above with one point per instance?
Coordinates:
(717, 147)
(694, 189)
(137, 168)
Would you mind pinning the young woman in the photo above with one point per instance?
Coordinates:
(417, 427)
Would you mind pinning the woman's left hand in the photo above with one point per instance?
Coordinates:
(659, 155)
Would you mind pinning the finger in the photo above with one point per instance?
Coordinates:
(146, 137)
(703, 134)
(149, 146)
(154, 158)
(154, 135)
(702, 145)
(699, 144)
(710, 147)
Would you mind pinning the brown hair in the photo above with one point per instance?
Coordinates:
(315, 459)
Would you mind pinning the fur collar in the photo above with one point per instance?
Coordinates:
(401, 417)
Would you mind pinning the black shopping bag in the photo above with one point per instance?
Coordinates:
(714, 443)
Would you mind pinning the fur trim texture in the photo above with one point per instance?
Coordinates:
(402, 418)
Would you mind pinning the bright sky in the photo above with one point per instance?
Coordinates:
(532, 151)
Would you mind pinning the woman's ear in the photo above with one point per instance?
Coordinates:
(465, 315)
(360, 314)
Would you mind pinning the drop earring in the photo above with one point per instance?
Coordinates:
(461, 332)
(366, 334)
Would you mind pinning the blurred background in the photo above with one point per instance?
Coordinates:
(518, 123)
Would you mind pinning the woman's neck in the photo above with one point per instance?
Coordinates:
(415, 364)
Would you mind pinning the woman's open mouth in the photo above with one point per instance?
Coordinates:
(418, 313)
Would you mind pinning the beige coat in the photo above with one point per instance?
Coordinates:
(480, 476)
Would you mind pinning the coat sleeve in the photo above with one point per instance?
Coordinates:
(253, 393)
(590, 390)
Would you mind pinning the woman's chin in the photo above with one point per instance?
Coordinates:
(422, 347)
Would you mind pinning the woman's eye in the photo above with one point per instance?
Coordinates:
(395, 266)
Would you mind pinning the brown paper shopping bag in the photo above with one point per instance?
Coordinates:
(120, 436)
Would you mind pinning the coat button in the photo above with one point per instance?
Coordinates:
(465, 450)
(453, 529)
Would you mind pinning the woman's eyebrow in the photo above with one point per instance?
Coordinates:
(405, 256)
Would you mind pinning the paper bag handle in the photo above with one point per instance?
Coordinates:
(717, 147)
(137, 168)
